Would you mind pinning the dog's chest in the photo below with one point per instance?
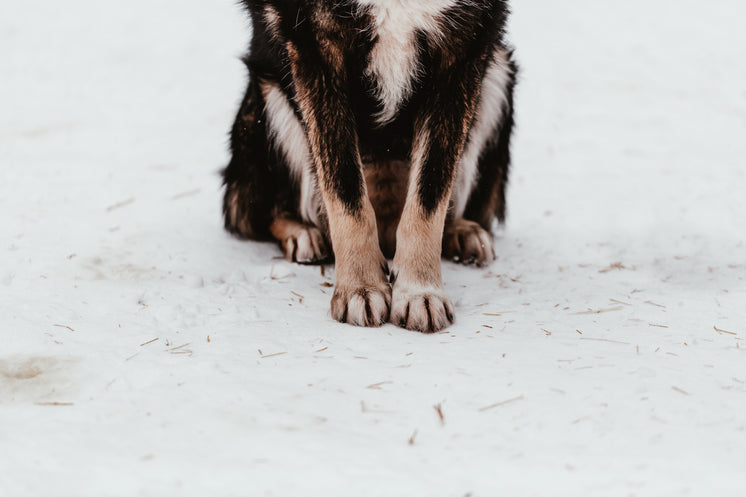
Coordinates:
(393, 64)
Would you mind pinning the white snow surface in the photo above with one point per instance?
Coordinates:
(145, 352)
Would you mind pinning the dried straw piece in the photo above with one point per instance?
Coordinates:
(439, 410)
(620, 302)
(185, 194)
(411, 439)
(612, 266)
(377, 386)
(599, 311)
(500, 404)
(724, 331)
(273, 355)
(121, 204)
(605, 340)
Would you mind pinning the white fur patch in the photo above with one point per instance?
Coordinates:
(289, 137)
(393, 61)
(492, 101)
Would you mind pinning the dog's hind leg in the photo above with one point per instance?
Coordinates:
(479, 190)
(486, 201)
(250, 190)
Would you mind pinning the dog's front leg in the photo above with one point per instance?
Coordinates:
(362, 295)
(419, 302)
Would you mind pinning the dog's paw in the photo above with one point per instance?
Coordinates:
(467, 242)
(306, 246)
(425, 309)
(362, 306)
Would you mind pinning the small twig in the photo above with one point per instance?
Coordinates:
(612, 266)
(600, 311)
(411, 439)
(620, 302)
(377, 386)
(724, 331)
(439, 410)
(148, 343)
(604, 340)
(500, 404)
(185, 194)
(63, 326)
(121, 204)
(273, 355)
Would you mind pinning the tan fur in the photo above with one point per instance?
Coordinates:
(362, 294)
(418, 300)
(272, 18)
(466, 241)
(300, 242)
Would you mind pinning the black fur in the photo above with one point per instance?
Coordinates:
(474, 31)
(316, 54)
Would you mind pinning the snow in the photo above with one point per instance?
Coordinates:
(627, 199)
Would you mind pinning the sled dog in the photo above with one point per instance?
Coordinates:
(375, 129)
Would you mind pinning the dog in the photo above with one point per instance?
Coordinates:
(375, 129)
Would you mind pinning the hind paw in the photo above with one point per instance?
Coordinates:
(467, 242)
(305, 245)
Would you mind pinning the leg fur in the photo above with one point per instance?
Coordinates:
(479, 191)
(419, 302)
(249, 185)
(362, 295)
(487, 199)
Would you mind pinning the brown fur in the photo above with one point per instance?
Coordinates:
(387, 185)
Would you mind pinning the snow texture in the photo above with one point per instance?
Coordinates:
(145, 352)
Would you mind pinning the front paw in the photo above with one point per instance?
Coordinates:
(420, 308)
(363, 305)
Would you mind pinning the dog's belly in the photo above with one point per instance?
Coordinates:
(386, 181)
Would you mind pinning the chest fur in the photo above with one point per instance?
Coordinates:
(393, 64)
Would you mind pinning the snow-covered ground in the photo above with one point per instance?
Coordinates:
(143, 351)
